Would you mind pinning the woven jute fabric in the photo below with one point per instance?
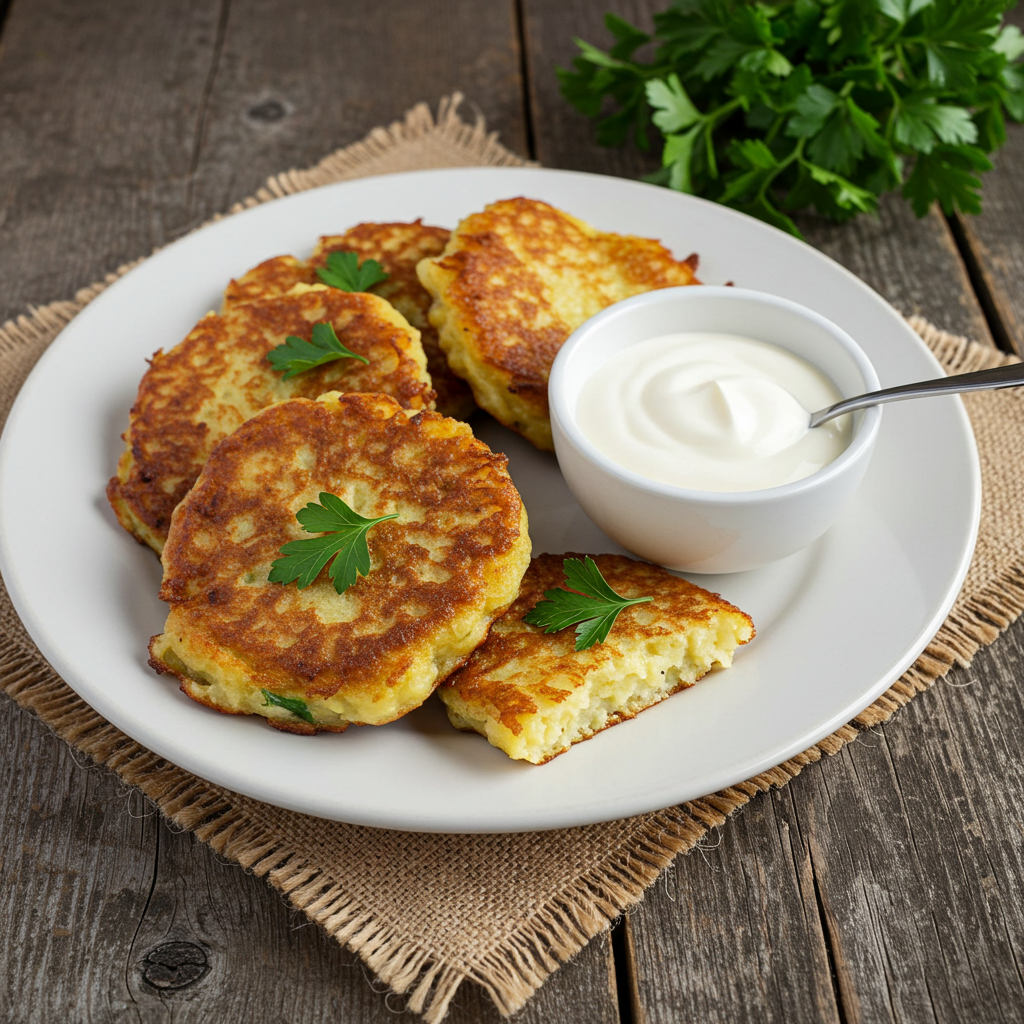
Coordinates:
(426, 912)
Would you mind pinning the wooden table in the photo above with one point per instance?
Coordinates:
(884, 884)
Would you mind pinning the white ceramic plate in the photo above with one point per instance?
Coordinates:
(836, 623)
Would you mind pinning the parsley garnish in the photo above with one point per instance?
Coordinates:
(293, 704)
(772, 108)
(297, 355)
(343, 271)
(344, 540)
(595, 607)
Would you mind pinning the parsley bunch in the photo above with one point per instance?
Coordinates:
(775, 107)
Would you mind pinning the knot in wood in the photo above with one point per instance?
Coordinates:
(174, 965)
(268, 111)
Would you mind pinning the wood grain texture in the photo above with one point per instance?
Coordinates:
(732, 932)
(911, 841)
(78, 852)
(994, 240)
(940, 869)
(111, 915)
(125, 124)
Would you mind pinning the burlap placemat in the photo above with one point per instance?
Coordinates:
(426, 912)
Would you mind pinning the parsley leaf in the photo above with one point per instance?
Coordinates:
(675, 110)
(295, 705)
(775, 107)
(949, 175)
(591, 603)
(343, 271)
(344, 540)
(922, 125)
(297, 355)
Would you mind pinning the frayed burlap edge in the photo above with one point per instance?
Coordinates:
(541, 940)
(557, 931)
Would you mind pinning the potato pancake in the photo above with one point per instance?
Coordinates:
(533, 695)
(514, 282)
(219, 376)
(440, 573)
(397, 247)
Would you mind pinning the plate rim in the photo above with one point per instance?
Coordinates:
(40, 634)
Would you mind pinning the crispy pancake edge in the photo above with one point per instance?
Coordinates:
(501, 321)
(165, 445)
(523, 678)
(495, 553)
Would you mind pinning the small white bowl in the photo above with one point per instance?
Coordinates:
(709, 531)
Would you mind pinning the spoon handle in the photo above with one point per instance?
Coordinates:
(980, 380)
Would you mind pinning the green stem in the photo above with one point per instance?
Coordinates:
(774, 130)
(710, 123)
(796, 154)
(719, 113)
(908, 75)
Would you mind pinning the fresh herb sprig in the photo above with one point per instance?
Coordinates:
(344, 540)
(781, 106)
(590, 602)
(297, 355)
(344, 271)
(295, 705)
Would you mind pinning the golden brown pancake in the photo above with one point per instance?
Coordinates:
(439, 574)
(219, 376)
(398, 248)
(273, 277)
(533, 695)
(513, 283)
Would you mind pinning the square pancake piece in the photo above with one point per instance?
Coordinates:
(532, 695)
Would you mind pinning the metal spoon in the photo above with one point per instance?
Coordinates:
(980, 380)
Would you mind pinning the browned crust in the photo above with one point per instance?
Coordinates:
(677, 606)
(276, 276)
(515, 280)
(219, 376)
(461, 519)
(398, 247)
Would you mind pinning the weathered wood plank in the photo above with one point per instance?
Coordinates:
(126, 124)
(123, 126)
(77, 863)
(112, 915)
(562, 136)
(732, 931)
(994, 238)
(97, 134)
(918, 845)
(912, 842)
(913, 263)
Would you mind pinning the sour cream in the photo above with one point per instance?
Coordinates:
(712, 412)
